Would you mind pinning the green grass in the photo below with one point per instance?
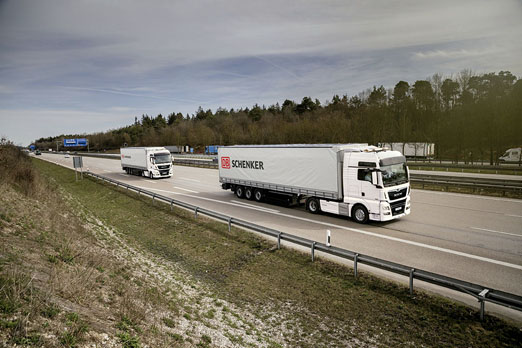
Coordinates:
(320, 303)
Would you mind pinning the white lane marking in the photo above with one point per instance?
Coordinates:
(180, 188)
(518, 216)
(472, 196)
(255, 206)
(108, 171)
(189, 179)
(149, 180)
(493, 231)
(264, 210)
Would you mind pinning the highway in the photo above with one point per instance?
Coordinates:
(472, 238)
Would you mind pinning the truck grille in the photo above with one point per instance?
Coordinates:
(398, 207)
(397, 194)
(164, 172)
(164, 167)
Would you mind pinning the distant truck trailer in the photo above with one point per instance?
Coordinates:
(152, 162)
(355, 180)
(412, 150)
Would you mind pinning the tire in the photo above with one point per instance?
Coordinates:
(249, 193)
(240, 192)
(313, 206)
(259, 195)
(360, 214)
(150, 175)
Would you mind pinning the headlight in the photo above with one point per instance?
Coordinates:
(386, 207)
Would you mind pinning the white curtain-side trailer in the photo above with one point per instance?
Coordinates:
(354, 180)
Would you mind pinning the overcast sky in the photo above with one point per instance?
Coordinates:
(72, 66)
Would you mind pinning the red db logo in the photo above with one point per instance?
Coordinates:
(225, 162)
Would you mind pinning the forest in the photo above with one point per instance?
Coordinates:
(478, 114)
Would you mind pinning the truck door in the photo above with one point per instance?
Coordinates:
(368, 191)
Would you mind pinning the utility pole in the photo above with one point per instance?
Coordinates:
(57, 142)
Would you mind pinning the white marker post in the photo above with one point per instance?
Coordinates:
(328, 238)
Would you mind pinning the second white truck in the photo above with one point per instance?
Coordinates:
(355, 180)
(152, 162)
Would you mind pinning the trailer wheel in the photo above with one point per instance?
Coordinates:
(259, 195)
(240, 191)
(360, 214)
(249, 193)
(313, 206)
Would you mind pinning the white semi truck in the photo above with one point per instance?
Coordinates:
(152, 162)
(355, 180)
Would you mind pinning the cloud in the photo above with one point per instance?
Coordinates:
(168, 56)
(448, 54)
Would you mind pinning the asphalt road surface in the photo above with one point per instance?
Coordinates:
(472, 238)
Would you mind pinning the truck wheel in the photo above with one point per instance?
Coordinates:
(240, 192)
(360, 214)
(313, 206)
(258, 195)
(249, 193)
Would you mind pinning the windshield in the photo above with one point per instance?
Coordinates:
(162, 158)
(394, 174)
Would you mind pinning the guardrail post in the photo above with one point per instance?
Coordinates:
(355, 265)
(481, 298)
(411, 281)
(171, 202)
(229, 224)
(196, 212)
(279, 241)
(139, 192)
(313, 251)
(153, 196)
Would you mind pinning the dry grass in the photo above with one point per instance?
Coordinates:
(89, 265)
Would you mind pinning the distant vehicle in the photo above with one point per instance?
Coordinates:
(212, 149)
(37, 152)
(412, 150)
(67, 155)
(152, 162)
(512, 155)
(355, 180)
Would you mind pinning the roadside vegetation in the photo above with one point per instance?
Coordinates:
(470, 117)
(86, 264)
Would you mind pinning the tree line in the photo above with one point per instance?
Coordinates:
(467, 114)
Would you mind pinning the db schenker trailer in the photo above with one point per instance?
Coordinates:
(355, 180)
(152, 162)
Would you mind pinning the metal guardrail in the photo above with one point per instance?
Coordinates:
(475, 183)
(517, 170)
(481, 293)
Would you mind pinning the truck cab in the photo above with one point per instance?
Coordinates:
(376, 185)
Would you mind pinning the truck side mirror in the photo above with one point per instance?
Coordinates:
(374, 178)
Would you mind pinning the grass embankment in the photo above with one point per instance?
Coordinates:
(85, 263)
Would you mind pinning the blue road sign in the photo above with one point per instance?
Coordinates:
(75, 142)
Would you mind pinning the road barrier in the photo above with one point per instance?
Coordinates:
(481, 293)
(503, 169)
(476, 184)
